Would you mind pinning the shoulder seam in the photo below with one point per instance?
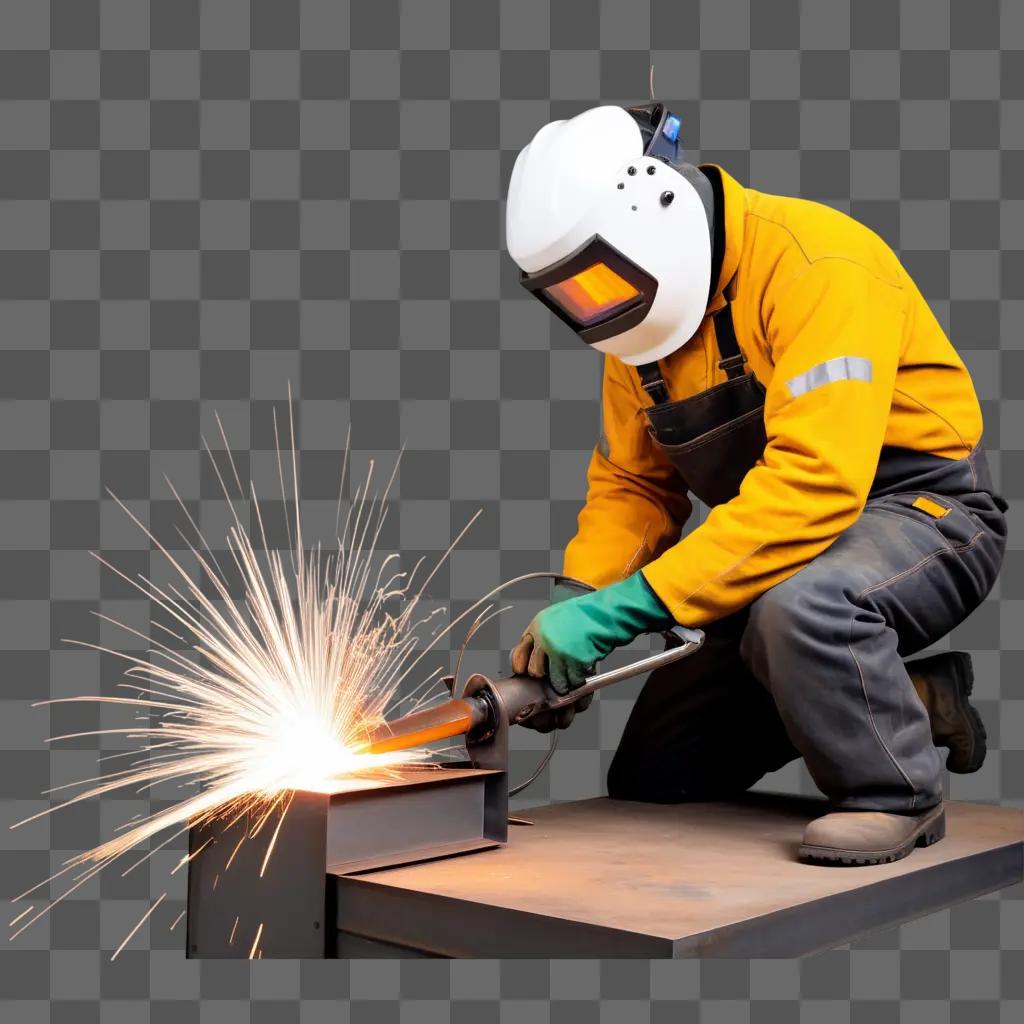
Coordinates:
(841, 259)
(820, 259)
(781, 227)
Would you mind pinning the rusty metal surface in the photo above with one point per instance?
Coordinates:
(608, 878)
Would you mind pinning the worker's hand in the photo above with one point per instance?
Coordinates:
(565, 641)
(547, 721)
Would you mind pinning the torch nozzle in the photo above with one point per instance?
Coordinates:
(454, 717)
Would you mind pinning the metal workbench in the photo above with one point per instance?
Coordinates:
(604, 878)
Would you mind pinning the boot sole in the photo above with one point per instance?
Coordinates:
(927, 833)
(972, 723)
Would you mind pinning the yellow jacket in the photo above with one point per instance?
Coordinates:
(808, 284)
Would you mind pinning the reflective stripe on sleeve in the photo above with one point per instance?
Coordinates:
(840, 368)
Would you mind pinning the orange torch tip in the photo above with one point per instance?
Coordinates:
(452, 718)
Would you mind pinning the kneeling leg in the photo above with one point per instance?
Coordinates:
(701, 729)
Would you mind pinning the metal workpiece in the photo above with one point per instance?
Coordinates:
(244, 903)
(608, 879)
(239, 908)
(433, 812)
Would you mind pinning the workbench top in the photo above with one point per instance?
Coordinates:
(606, 878)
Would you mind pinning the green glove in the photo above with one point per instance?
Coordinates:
(546, 721)
(567, 639)
(564, 592)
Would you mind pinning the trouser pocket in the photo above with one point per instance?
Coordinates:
(948, 517)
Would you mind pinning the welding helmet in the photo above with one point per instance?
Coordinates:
(611, 229)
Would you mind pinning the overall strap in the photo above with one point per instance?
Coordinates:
(652, 382)
(730, 356)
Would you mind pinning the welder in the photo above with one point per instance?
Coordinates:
(771, 357)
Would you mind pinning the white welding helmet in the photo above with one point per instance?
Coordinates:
(612, 229)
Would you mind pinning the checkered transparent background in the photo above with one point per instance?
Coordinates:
(202, 202)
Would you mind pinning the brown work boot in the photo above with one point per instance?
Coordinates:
(857, 838)
(944, 683)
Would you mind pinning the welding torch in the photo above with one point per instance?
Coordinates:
(515, 698)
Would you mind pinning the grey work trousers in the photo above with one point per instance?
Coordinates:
(814, 667)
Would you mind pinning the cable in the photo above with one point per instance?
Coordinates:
(545, 761)
(526, 577)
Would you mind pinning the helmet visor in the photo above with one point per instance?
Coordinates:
(593, 294)
(596, 290)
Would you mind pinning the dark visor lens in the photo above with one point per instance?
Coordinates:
(593, 294)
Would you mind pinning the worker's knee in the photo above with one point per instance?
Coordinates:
(791, 623)
(775, 617)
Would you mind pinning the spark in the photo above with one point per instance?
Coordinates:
(277, 832)
(266, 670)
(256, 942)
(27, 910)
(142, 920)
(189, 857)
